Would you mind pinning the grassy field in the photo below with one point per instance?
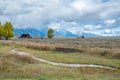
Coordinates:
(15, 67)
(76, 57)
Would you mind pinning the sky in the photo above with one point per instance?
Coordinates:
(100, 17)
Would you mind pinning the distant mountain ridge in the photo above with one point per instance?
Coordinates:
(32, 32)
(43, 33)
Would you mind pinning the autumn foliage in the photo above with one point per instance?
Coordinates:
(6, 30)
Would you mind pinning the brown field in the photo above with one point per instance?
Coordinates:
(103, 51)
(105, 46)
(103, 42)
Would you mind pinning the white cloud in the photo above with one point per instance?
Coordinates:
(107, 31)
(110, 22)
(55, 26)
(62, 24)
(84, 5)
(92, 27)
(66, 26)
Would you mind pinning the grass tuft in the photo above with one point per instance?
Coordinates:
(23, 58)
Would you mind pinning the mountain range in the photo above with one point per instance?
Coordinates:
(43, 33)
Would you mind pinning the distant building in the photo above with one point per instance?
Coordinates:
(25, 36)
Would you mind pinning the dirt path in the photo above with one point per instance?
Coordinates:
(59, 64)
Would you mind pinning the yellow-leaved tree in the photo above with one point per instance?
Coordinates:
(6, 30)
(1, 31)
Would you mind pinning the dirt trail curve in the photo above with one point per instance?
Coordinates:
(59, 64)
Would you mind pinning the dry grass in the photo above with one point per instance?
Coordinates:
(101, 51)
(74, 57)
(38, 46)
(102, 47)
(106, 52)
(15, 67)
(6, 63)
(23, 58)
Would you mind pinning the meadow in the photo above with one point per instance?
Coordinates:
(100, 51)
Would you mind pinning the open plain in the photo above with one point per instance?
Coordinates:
(104, 51)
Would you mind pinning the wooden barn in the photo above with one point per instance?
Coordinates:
(25, 36)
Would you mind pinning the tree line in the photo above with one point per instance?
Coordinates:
(6, 30)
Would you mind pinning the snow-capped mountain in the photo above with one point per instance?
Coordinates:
(31, 31)
(63, 33)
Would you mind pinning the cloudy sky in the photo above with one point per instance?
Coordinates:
(101, 17)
